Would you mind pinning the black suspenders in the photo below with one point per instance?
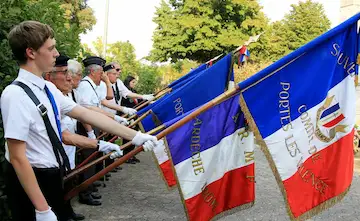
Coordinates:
(54, 139)
(73, 95)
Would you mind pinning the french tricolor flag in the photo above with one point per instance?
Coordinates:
(213, 159)
(244, 54)
(303, 109)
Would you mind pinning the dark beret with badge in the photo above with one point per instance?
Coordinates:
(94, 60)
(109, 67)
(61, 61)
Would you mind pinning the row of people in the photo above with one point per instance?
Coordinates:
(39, 116)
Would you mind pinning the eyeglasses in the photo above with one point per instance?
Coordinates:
(66, 71)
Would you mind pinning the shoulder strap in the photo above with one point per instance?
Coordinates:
(54, 139)
(73, 95)
(91, 86)
(117, 97)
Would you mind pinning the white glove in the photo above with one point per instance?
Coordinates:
(160, 146)
(129, 111)
(107, 147)
(150, 145)
(121, 120)
(47, 215)
(148, 97)
(91, 134)
(145, 140)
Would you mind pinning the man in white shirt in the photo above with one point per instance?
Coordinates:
(112, 105)
(33, 165)
(90, 95)
(89, 90)
(121, 91)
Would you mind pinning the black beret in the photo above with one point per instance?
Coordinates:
(61, 61)
(109, 67)
(94, 60)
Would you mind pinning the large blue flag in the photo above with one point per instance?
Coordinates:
(303, 109)
(201, 89)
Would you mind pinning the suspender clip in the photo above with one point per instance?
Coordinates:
(42, 109)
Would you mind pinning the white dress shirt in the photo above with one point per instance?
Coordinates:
(68, 123)
(76, 95)
(88, 95)
(123, 90)
(22, 120)
(102, 95)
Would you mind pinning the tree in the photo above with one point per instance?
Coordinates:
(124, 54)
(77, 12)
(303, 23)
(98, 46)
(149, 78)
(201, 30)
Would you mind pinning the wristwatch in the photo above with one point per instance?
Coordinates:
(98, 145)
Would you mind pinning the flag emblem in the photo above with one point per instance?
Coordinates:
(329, 117)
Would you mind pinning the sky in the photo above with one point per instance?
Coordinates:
(131, 20)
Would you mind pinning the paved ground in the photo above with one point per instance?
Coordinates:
(138, 193)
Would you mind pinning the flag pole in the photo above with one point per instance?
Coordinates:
(111, 140)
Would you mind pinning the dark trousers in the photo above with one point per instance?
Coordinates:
(51, 185)
(68, 186)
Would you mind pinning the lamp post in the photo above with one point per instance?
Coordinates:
(105, 28)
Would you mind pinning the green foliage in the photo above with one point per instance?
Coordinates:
(68, 18)
(171, 72)
(120, 52)
(201, 30)
(149, 78)
(124, 54)
(303, 23)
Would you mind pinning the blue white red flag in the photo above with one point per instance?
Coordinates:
(303, 108)
(213, 158)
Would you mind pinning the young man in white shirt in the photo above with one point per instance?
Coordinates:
(34, 168)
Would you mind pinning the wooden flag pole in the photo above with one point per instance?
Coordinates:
(111, 140)
(145, 103)
(165, 132)
(84, 167)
